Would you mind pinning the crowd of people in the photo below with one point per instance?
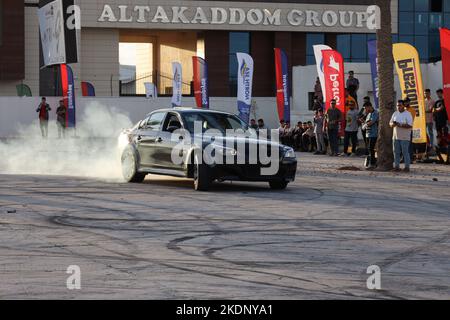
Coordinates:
(43, 112)
(321, 135)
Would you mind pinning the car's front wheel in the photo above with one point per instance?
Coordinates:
(278, 184)
(201, 174)
(130, 167)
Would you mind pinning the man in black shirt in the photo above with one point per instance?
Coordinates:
(440, 113)
(61, 120)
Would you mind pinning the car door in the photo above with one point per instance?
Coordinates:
(148, 139)
(169, 141)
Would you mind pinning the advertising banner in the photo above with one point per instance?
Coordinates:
(201, 89)
(407, 62)
(245, 85)
(373, 57)
(58, 20)
(445, 48)
(335, 83)
(177, 84)
(87, 89)
(68, 87)
(319, 63)
(282, 77)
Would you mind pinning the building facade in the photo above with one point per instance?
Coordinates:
(123, 44)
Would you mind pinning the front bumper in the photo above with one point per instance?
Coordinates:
(254, 173)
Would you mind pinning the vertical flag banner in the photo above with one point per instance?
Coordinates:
(201, 90)
(334, 82)
(58, 31)
(445, 48)
(68, 88)
(373, 57)
(87, 89)
(177, 84)
(407, 63)
(283, 94)
(319, 63)
(245, 85)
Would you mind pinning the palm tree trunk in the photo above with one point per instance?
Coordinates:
(386, 86)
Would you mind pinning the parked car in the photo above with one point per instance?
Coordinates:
(150, 148)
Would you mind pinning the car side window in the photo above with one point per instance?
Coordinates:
(155, 120)
(171, 121)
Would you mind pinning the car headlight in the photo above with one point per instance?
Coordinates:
(289, 153)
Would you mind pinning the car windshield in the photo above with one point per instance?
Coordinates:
(214, 121)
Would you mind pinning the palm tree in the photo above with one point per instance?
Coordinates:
(386, 86)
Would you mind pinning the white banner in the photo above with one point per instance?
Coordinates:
(319, 62)
(245, 84)
(151, 91)
(51, 26)
(177, 84)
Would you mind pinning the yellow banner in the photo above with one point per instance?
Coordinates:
(407, 63)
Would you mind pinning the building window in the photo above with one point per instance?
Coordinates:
(353, 47)
(313, 39)
(239, 42)
(419, 23)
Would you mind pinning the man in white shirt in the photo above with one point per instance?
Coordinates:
(402, 122)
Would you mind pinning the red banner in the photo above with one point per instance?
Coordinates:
(333, 64)
(445, 47)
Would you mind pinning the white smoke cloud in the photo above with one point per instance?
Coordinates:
(92, 153)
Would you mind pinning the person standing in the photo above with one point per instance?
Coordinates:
(412, 111)
(318, 90)
(440, 113)
(61, 119)
(362, 116)
(332, 119)
(43, 111)
(351, 129)
(429, 106)
(402, 123)
(352, 85)
(371, 127)
(318, 131)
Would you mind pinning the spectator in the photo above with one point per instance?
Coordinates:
(412, 111)
(440, 113)
(317, 105)
(351, 129)
(332, 120)
(308, 138)
(371, 127)
(429, 106)
(287, 134)
(43, 111)
(318, 90)
(402, 122)
(318, 131)
(443, 146)
(348, 100)
(261, 125)
(352, 85)
(362, 116)
(297, 136)
(253, 124)
(61, 119)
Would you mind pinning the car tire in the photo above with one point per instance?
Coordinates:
(278, 184)
(201, 174)
(130, 167)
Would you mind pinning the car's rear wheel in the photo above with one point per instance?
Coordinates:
(202, 180)
(278, 184)
(130, 167)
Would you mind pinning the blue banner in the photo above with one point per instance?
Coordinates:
(283, 92)
(201, 90)
(245, 85)
(373, 57)
(71, 120)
